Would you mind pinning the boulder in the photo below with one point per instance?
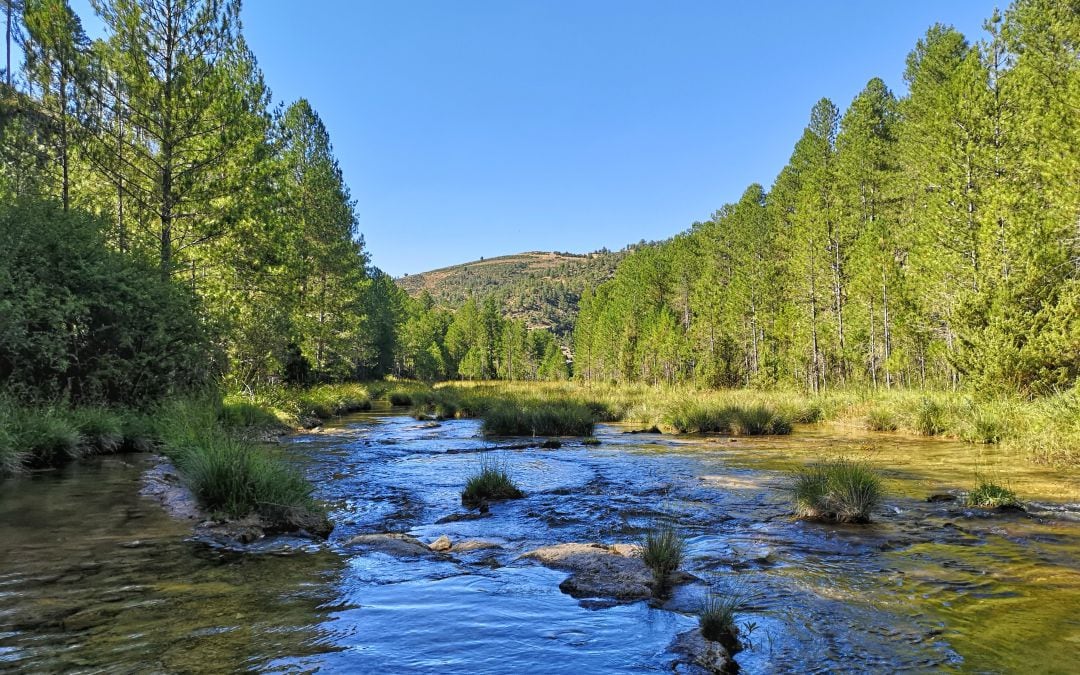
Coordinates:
(441, 544)
(473, 545)
(597, 571)
(693, 651)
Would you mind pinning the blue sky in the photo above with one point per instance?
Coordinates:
(473, 128)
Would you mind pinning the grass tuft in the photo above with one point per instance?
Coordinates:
(990, 494)
(880, 419)
(662, 551)
(930, 418)
(101, 430)
(841, 490)
(491, 482)
(531, 418)
(694, 417)
(716, 618)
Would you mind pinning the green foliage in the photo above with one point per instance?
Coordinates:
(46, 437)
(990, 494)
(662, 551)
(842, 490)
(490, 482)
(87, 323)
(237, 413)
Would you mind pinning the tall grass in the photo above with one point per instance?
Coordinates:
(716, 618)
(533, 418)
(491, 482)
(842, 490)
(101, 430)
(691, 417)
(662, 551)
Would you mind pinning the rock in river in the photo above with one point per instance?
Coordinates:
(597, 571)
(693, 651)
(401, 545)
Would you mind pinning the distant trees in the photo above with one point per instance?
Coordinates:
(930, 240)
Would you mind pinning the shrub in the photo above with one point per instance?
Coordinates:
(990, 494)
(929, 418)
(662, 551)
(86, 323)
(11, 456)
(563, 418)
(716, 618)
(490, 483)
(841, 490)
(880, 419)
(400, 398)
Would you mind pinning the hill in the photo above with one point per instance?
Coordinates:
(543, 288)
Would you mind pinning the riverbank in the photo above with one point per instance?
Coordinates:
(1044, 430)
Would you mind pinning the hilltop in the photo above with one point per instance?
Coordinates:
(543, 288)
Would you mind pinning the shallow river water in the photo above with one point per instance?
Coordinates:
(94, 578)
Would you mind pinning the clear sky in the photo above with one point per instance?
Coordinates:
(470, 128)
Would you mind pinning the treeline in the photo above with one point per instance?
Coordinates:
(476, 342)
(165, 131)
(928, 240)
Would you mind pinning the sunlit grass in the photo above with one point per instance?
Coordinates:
(662, 551)
(490, 482)
(842, 490)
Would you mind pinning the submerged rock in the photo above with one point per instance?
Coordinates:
(393, 543)
(473, 545)
(458, 517)
(162, 483)
(697, 654)
(941, 497)
(597, 571)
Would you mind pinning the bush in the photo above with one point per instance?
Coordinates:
(880, 419)
(400, 398)
(490, 483)
(563, 418)
(662, 551)
(84, 323)
(841, 490)
(716, 618)
(989, 494)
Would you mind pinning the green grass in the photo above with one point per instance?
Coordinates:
(716, 618)
(590, 440)
(101, 430)
(46, 437)
(240, 413)
(530, 418)
(662, 551)
(491, 482)
(990, 494)
(841, 490)
(695, 417)
(930, 418)
(881, 419)
(400, 398)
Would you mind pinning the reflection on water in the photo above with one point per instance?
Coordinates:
(93, 576)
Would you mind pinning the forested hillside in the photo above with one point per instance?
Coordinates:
(930, 239)
(541, 289)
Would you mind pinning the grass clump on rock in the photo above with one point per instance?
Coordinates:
(841, 490)
(491, 482)
(716, 619)
(662, 551)
(990, 494)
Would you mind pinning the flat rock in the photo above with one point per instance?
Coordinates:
(458, 517)
(473, 545)
(695, 654)
(597, 571)
(392, 543)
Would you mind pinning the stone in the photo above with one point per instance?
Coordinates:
(441, 544)
(458, 517)
(693, 650)
(395, 544)
(473, 545)
(597, 571)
